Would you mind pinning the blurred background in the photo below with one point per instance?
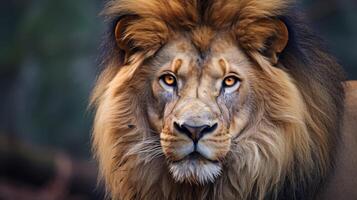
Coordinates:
(48, 65)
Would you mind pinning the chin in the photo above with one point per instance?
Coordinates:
(195, 169)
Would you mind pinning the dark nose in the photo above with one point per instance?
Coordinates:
(195, 132)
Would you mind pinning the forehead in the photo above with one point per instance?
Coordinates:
(219, 55)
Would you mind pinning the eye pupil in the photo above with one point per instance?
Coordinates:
(169, 80)
(230, 81)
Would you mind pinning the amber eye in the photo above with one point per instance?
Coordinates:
(230, 81)
(169, 80)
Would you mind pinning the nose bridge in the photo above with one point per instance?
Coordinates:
(203, 90)
(195, 112)
(207, 93)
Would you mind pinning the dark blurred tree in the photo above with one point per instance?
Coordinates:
(48, 68)
(336, 21)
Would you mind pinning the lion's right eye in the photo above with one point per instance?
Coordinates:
(168, 81)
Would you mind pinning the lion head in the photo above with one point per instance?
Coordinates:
(220, 99)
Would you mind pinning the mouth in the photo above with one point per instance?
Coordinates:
(195, 156)
(195, 168)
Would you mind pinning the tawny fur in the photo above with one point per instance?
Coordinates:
(297, 115)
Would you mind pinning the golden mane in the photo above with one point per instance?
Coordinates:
(121, 123)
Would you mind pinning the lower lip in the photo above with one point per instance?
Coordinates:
(196, 156)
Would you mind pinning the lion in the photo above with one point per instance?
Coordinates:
(219, 99)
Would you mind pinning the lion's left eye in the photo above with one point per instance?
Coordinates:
(230, 83)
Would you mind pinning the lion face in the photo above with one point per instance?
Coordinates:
(201, 104)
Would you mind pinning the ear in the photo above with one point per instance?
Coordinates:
(134, 33)
(276, 43)
(267, 36)
(122, 42)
